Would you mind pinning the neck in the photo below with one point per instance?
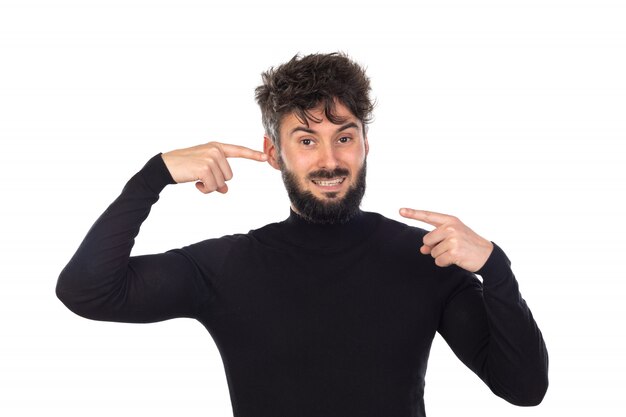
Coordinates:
(308, 219)
(300, 232)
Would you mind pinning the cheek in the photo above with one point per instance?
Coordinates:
(300, 165)
(355, 161)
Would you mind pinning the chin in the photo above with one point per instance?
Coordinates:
(332, 207)
(330, 196)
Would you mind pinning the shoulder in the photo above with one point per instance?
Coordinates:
(398, 241)
(269, 228)
(219, 246)
(396, 230)
(211, 256)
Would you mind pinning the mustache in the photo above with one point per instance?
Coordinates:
(323, 174)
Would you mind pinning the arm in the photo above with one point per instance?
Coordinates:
(489, 326)
(103, 282)
(491, 330)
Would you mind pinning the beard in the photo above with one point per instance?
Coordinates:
(331, 210)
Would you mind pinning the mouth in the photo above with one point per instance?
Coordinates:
(329, 183)
(329, 187)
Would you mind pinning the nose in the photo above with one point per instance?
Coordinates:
(327, 158)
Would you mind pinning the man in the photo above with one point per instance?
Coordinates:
(331, 312)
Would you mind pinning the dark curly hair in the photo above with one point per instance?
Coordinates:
(305, 82)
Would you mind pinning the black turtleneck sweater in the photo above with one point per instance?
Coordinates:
(313, 320)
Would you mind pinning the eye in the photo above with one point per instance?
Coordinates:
(306, 142)
(345, 139)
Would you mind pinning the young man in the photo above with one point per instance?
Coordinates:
(331, 312)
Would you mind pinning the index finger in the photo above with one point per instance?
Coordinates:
(236, 151)
(430, 217)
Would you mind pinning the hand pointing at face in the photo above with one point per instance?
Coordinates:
(207, 164)
(452, 242)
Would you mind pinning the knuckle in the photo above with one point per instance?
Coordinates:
(209, 184)
(214, 152)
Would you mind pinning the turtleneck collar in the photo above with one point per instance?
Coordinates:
(296, 231)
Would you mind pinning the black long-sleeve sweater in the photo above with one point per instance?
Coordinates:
(313, 320)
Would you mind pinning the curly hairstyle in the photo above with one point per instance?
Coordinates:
(305, 82)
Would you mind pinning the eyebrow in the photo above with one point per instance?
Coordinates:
(312, 131)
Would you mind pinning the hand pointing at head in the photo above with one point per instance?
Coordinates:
(451, 242)
(207, 164)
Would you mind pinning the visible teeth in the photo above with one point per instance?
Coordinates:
(328, 183)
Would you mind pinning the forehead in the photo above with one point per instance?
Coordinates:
(317, 118)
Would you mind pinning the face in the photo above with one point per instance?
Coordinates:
(323, 164)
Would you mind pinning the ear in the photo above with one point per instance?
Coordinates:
(367, 146)
(271, 151)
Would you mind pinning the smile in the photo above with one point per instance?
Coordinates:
(329, 183)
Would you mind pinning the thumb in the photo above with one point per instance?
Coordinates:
(202, 188)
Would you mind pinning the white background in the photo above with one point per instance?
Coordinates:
(507, 114)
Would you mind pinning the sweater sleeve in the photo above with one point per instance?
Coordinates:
(103, 282)
(491, 329)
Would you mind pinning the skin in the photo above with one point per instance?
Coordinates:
(207, 164)
(452, 242)
(320, 146)
(325, 146)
